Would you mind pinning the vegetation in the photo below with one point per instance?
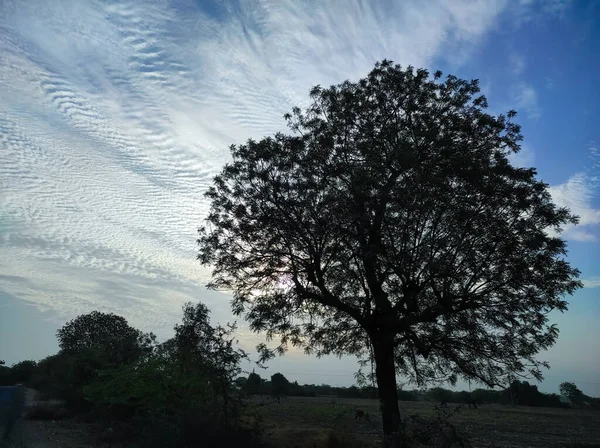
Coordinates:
(520, 393)
(106, 333)
(178, 393)
(20, 372)
(391, 226)
(188, 391)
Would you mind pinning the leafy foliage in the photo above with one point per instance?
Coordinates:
(200, 346)
(107, 332)
(20, 372)
(572, 392)
(280, 384)
(178, 393)
(152, 388)
(252, 384)
(391, 225)
(191, 374)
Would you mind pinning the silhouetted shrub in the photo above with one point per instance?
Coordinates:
(434, 431)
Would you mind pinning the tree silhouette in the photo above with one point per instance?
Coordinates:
(107, 332)
(572, 392)
(252, 385)
(279, 385)
(207, 350)
(392, 214)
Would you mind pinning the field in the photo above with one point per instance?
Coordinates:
(307, 422)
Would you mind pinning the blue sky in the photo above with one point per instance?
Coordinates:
(114, 116)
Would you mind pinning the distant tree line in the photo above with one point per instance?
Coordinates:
(70, 374)
(519, 393)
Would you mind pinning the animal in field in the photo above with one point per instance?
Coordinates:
(361, 415)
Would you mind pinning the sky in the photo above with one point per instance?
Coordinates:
(115, 116)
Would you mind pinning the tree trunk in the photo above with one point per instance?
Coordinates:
(385, 370)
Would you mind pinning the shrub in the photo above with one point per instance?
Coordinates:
(434, 431)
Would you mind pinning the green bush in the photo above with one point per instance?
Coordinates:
(151, 388)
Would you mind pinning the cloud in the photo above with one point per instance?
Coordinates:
(592, 282)
(556, 7)
(529, 10)
(516, 63)
(525, 98)
(578, 194)
(525, 158)
(114, 117)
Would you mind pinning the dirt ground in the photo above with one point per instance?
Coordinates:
(48, 433)
(313, 422)
(306, 422)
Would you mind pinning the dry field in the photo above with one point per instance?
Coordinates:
(308, 422)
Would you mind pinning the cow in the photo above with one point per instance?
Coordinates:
(361, 415)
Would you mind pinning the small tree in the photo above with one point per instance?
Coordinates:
(107, 332)
(279, 385)
(253, 383)
(210, 351)
(21, 372)
(187, 383)
(392, 219)
(572, 392)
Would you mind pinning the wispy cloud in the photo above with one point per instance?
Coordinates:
(529, 10)
(516, 63)
(578, 194)
(115, 116)
(556, 7)
(525, 158)
(525, 98)
(592, 282)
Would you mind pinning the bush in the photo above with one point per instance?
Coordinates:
(434, 431)
(184, 394)
(160, 404)
(154, 387)
(18, 373)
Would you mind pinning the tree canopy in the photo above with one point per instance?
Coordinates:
(204, 348)
(279, 384)
(107, 332)
(572, 392)
(253, 383)
(391, 225)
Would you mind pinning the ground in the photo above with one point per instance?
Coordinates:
(325, 422)
(305, 422)
(49, 433)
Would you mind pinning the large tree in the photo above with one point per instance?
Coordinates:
(390, 224)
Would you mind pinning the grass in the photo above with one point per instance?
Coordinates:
(318, 422)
